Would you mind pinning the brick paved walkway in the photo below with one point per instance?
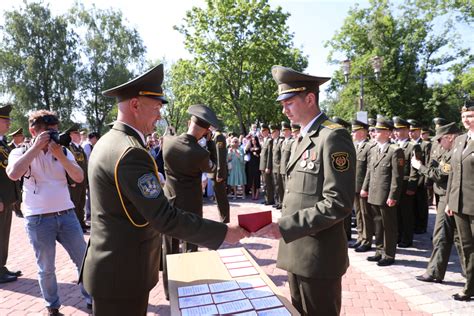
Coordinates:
(367, 288)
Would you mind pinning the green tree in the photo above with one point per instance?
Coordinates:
(234, 44)
(414, 46)
(109, 49)
(38, 61)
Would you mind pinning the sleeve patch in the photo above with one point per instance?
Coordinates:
(149, 186)
(340, 161)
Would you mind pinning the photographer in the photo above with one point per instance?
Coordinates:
(47, 206)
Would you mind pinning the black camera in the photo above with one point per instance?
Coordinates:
(62, 139)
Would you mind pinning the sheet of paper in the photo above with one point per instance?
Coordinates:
(234, 259)
(223, 286)
(200, 310)
(266, 302)
(193, 290)
(251, 283)
(228, 296)
(241, 264)
(282, 311)
(258, 292)
(234, 307)
(229, 252)
(242, 272)
(250, 313)
(197, 300)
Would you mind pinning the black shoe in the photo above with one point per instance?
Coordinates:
(354, 245)
(462, 297)
(428, 278)
(404, 245)
(363, 248)
(54, 312)
(19, 214)
(375, 258)
(278, 207)
(5, 278)
(89, 306)
(385, 262)
(13, 273)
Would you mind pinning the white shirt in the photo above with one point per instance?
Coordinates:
(305, 129)
(45, 187)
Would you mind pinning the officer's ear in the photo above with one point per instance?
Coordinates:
(133, 105)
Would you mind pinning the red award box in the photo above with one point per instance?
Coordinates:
(254, 221)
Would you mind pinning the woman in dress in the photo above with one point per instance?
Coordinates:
(235, 157)
(253, 149)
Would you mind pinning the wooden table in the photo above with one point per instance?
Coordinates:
(207, 267)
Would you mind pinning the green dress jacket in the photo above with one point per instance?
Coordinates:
(319, 195)
(129, 214)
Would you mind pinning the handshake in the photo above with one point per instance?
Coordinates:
(235, 233)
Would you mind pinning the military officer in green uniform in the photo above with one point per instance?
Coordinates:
(8, 197)
(218, 152)
(460, 196)
(365, 223)
(265, 165)
(319, 195)
(183, 179)
(78, 190)
(406, 216)
(129, 208)
(285, 152)
(444, 231)
(276, 159)
(17, 138)
(382, 187)
(420, 206)
(436, 150)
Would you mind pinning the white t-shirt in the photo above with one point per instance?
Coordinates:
(45, 187)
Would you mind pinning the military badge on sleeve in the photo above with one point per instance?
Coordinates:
(149, 186)
(340, 161)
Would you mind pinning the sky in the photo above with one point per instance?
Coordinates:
(312, 21)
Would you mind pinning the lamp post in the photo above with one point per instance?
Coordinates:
(376, 65)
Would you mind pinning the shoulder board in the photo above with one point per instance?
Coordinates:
(331, 125)
(394, 146)
(134, 142)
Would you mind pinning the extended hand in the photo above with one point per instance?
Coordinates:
(448, 211)
(56, 150)
(391, 202)
(271, 231)
(235, 233)
(415, 163)
(364, 193)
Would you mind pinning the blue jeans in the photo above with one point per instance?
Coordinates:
(43, 232)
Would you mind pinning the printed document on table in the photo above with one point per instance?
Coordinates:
(191, 301)
(223, 286)
(251, 283)
(241, 264)
(258, 292)
(228, 296)
(282, 311)
(200, 310)
(193, 290)
(242, 272)
(234, 307)
(266, 302)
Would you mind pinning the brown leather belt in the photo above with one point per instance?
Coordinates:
(56, 213)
